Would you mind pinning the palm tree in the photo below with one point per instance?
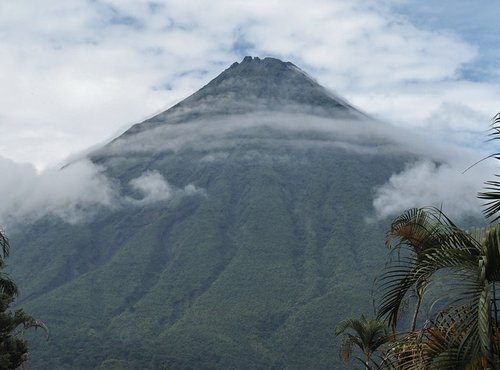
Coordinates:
(420, 233)
(13, 348)
(368, 335)
(465, 332)
(416, 231)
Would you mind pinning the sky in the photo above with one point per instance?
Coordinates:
(75, 74)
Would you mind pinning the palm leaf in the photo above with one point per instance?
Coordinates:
(491, 191)
(427, 241)
(367, 335)
(465, 334)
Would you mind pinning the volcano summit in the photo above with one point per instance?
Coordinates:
(255, 85)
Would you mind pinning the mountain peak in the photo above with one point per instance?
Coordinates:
(268, 83)
(267, 61)
(252, 85)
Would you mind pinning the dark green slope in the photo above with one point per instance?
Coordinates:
(252, 272)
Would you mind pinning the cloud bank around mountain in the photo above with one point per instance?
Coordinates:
(71, 193)
(435, 174)
(425, 183)
(75, 193)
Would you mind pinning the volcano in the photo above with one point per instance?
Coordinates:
(239, 238)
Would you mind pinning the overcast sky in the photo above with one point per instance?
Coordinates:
(76, 73)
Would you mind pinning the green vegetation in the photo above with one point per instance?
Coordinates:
(368, 336)
(257, 271)
(13, 348)
(462, 330)
(252, 273)
(492, 193)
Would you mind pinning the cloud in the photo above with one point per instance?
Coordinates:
(86, 70)
(219, 133)
(75, 193)
(434, 175)
(437, 178)
(480, 28)
(72, 193)
(153, 188)
(215, 157)
(299, 128)
(426, 183)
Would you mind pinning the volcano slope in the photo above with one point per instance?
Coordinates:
(240, 235)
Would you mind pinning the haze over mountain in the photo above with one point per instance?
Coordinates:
(235, 231)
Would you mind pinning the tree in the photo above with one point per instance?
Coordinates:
(417, 231)
(369, 336)
(465, 332)
(13, 348)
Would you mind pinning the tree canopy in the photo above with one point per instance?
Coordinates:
(13, 347)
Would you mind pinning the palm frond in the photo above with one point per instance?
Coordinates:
(491, 191)
(367, 335)
(462, 334)
(427, 241)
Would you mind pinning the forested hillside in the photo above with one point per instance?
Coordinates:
(242, 232)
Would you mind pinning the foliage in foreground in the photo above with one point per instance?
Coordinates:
(463, 329)
(369, 336)
(464, 332)
(13, 348)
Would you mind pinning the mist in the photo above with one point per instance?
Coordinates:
(425, 183)
(434, 175)
(75, 193)
(153, 188)
(72, 193)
